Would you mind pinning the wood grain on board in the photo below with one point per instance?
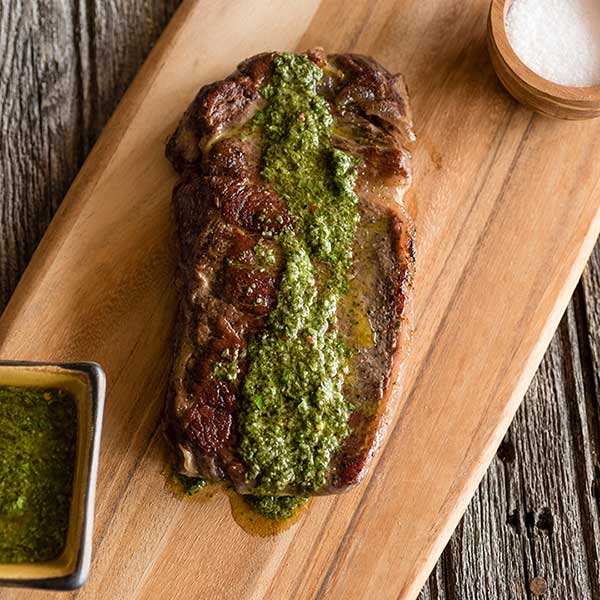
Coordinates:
(508, 212)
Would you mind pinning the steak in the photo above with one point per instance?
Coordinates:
(229, 216)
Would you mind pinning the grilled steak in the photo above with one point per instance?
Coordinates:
(296, 260)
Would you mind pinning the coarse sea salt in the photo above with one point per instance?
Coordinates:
(558, 39)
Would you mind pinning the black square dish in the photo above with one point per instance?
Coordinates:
(86, 383)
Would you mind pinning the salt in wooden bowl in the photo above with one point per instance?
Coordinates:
(529, 88)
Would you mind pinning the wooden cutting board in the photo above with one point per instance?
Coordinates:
(508, 211)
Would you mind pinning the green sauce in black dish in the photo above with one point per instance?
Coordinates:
(38, 437)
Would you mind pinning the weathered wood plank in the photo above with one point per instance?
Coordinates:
(41, 141)
(66, 64)
(64, 67)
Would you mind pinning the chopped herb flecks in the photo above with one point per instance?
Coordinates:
(190, 485)
(38, 435)
(275, 508)
(294, 416)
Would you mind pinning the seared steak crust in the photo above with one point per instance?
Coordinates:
(223, 208)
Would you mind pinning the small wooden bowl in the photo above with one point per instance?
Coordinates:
(531, 90)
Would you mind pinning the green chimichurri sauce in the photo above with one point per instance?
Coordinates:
(38, 434)
(190, 485)
(294, 416)
(276, 508)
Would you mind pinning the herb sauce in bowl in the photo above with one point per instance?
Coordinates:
(38, 439)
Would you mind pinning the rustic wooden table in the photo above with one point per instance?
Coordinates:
(532, 528)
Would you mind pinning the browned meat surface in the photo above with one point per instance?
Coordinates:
(222, 206)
